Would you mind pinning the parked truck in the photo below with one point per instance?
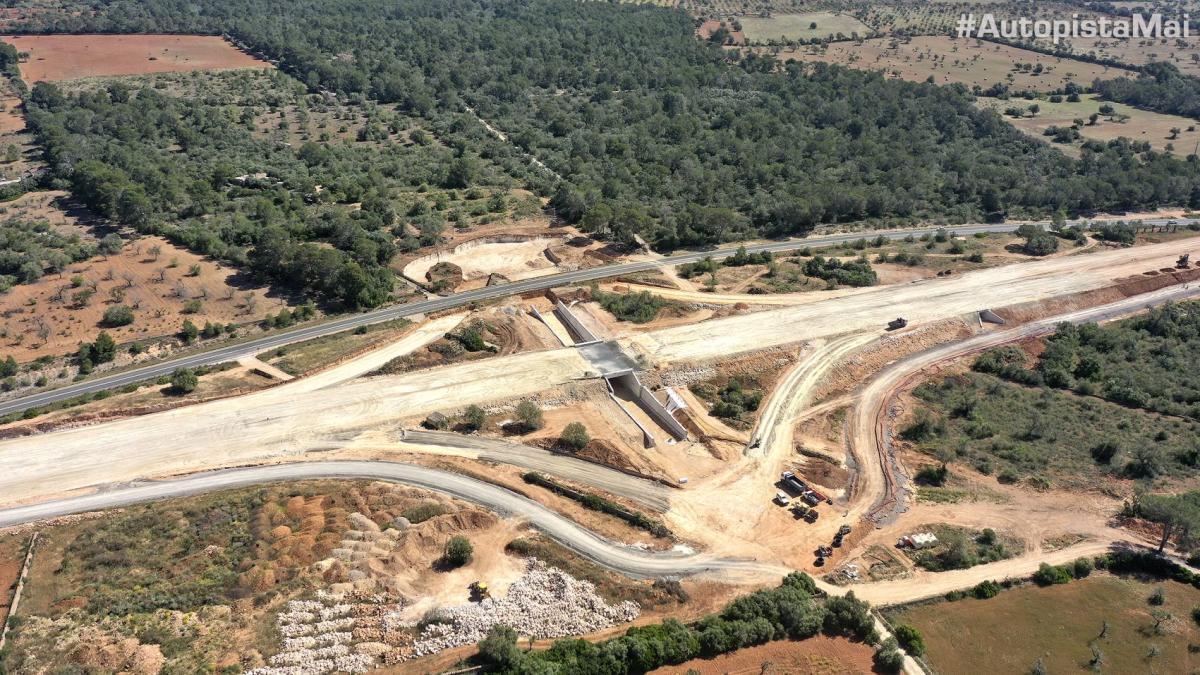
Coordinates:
(792, 483)
(897, 323)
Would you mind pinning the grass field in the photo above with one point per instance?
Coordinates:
(785, 27)
(70, 57)
(952, 60)
(1011, 632)
(1139, 125)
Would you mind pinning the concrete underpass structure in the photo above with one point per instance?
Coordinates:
(620, 375)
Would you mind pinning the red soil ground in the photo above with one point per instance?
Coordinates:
(70, 57)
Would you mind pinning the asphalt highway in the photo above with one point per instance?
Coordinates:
(233, 352)
(627, 560)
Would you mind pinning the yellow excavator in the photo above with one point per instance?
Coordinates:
(479, 591)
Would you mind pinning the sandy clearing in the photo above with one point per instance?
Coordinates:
(920, 302)
(71, 57)
(513, 260)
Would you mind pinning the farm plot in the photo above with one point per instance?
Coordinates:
(1162, 132)
(1058, 626)
(784, 27)
(952, 60)
(69, 57)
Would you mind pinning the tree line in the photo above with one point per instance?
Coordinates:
(659, 134)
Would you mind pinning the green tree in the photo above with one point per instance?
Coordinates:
(189, 332)
(1178, 515)
(184, 381)
(529, 415)
(117, 315)
(499, 649)
(910, 638)
(575, 436)
(474, 418)
(111, 244)
(458, 552)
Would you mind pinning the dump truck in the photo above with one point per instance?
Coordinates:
(793, 484)
(897, 323)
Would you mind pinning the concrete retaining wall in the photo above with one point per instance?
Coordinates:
(631, 386)
(573, 324)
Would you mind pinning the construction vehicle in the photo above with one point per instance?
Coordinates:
(843, 530)
(479, 591)
(799, 510)
(897, 323)
(820, 562)
(1184, 261)
(793, 484)
(811, 516)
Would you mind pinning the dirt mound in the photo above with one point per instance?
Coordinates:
(444, 277)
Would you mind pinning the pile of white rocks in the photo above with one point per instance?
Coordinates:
(317, 639)
(544, 603)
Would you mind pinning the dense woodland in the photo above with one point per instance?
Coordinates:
(196, 171)
(1159, 87)
(655, 132)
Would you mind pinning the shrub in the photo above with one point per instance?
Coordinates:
(458, 552)
(1157, 598)
(1050, 575)
(575, 436)
(423, 512)
(474, 418)
(986, 589)
(888, 658)
(117, 315)
(1082, 568)
(640, 307)
(933, 475)
(910, 638)
(184, 381)
(189, 332)
(530, 416)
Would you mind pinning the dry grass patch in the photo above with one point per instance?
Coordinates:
(1124, 121)
(1009, 633)
(801, 26)
(953, 60)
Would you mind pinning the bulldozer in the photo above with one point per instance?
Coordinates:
(479, 591)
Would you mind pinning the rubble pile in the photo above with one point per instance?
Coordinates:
(317, 639)
(544, 603)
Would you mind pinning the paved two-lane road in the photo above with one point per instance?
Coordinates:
(232, 352)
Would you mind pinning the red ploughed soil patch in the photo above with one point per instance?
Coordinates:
(70, 57)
